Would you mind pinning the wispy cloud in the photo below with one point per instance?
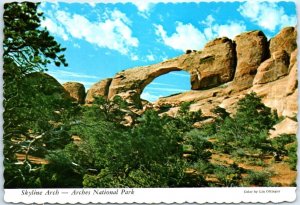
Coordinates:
(134, 57)
(87, 84)
(164, 84)
(166, 89)
(150, 57)
(150, 97)
(64, 74)
(268, 15)
(114, 28)
(180, 74)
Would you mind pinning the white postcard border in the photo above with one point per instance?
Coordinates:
(155, 195)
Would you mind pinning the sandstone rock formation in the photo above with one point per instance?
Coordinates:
(101, 88)
(286, 40)
(216, 64)
(221, 74)
(273, 68)
(211, 67)
(287, 126)
(275, 81)
(76, 91)
(252, 50)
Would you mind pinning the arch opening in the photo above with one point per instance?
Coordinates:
(172, 83)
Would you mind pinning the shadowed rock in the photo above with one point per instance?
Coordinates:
(273, 68)
(76, 91)
(252, 50)
(216, 64)
(100, 88)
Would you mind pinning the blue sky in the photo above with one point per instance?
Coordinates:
(104, 38)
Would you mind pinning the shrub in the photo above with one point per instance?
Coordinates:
(259, 178)
(229, 176)
(292, 154)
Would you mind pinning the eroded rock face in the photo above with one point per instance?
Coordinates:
(286, 126)
(286, 40)
(76, 91)
(293, 74)
(292, 80)
(100, 88)
(273, 68)
(216, 64)
(252, 50)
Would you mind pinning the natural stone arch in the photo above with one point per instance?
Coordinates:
(129, 84)
(216, 62)
(137, 79)
(218, 58)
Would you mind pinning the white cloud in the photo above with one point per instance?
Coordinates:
(150, 97)
(65, 74)
(54, 28)
(134, 57)
(144, 7)
(112, 32)
(188, 36)
(164, 84)
(92, 4)
(185, 37)
(150, 57)
(76, 45)
(166, 89)
(229, 30)
(267, 15)
(180, 74)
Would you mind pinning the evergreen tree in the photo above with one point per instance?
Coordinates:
(33, 117)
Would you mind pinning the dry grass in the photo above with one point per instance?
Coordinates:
(282, 174)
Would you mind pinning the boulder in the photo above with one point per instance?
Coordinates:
(76, 91)
(252, 50)
(273, 68)
(216, 64)
(100, 88)
(47, 84)
(286, 126)
(286, 40)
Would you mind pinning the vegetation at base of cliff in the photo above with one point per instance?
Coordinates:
(153, 150)
(162, 151)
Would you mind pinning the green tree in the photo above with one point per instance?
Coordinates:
(35, 112)
(248, 128)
